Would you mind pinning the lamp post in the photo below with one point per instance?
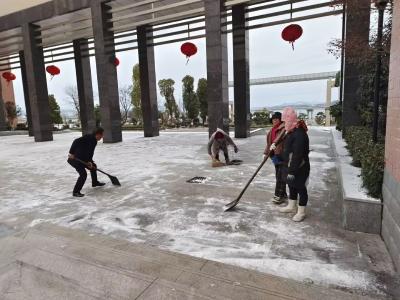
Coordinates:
(380, 5)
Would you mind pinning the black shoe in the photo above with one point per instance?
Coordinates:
(98, 184)
(78, 194)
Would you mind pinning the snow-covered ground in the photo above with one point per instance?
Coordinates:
(155, 205)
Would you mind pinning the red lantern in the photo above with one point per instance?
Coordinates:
(114, 60)
(291, 33)
(188, 49)
(9, 76)
(53, 70)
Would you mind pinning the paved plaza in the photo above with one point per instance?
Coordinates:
(156, 205)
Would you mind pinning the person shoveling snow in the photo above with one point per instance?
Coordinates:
(81, 156)
(219, 141)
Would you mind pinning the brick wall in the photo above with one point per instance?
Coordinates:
(391, 186)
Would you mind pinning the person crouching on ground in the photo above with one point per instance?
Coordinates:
(219, 141)
(278, 129)
(83, 148)
(295, 155)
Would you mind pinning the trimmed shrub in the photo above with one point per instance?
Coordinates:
(367, 155)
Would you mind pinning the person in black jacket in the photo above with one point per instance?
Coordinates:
(83, 149)
(295, 155)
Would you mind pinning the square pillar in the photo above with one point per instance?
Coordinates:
(241, 74)
(36, 84)
(357, 20)
(26, 92)
(3, 119)
(148, 83)
(217, 66)
(84, 85)
(391, 183)
(106, 72)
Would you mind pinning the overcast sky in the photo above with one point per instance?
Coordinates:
(269, 56)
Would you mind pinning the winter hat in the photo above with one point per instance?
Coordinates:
(219, 135)
(289, 116)
(277, 115)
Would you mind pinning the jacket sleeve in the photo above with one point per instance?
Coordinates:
(229, 140)
(299, 149)
(266, 151)
(210, 142)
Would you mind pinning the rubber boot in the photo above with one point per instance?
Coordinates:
(291, 207)
(301, 214)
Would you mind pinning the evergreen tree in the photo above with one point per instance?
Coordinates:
(55, 113)
(167, 91)
(202, 96)
(136, 94)
(190, 100)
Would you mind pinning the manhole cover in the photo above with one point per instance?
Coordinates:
(236, 162)
(197, 179)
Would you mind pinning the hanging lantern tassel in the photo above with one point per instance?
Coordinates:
(53, 71)
(292, 33)
(8, 76)
(188, 49)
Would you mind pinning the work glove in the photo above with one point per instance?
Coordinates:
(290, 179)
(273, 147)
(236, 149)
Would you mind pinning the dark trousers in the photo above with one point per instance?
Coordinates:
(280, 185)
(80, 168)
(294, 193)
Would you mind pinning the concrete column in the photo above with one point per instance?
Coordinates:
(329, 84)
(106, 72)
(26, 92)
(148, 84)
(3, 119)
(217, 66)
(241, 75)
(357, 22)
(84, 85)
(36, 84)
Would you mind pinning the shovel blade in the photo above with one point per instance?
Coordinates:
(114, 180)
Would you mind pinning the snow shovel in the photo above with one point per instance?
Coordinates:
(232, 204)
(114, 180)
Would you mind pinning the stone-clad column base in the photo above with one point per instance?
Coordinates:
(37, 84)
(241, 71)
(217, 66)
(106, 72)
(148, 84)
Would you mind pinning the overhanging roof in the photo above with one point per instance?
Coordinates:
(61, 22)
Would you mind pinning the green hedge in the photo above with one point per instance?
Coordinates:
(367, 155)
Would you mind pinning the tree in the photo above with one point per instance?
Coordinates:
(125, 102)
(202, 96)
(12, 112)
(97, 115)
(302, 116)
(73, 99)
(167, 91)
(190, 100)
(364, 58)
(261, 117)
(55, 113)
(136, 95)
(320, 118)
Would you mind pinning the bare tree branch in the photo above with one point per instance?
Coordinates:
(125, 102)
(73, 99)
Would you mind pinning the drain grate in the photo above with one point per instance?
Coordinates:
(197, 179)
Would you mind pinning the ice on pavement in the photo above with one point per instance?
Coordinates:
(157, 206)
